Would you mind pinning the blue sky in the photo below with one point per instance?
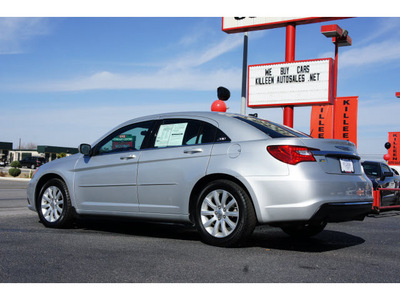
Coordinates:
(68, 80)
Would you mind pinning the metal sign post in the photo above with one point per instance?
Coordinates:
(245, 24)
(244, 74)
(288, 111)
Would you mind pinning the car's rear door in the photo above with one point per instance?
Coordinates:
(179, 158)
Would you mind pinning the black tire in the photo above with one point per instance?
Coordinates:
(54, 204)
(304, 230)
(224, 214)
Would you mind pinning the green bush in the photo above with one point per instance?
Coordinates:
(15, 164)
(61, 155)
(14, 172)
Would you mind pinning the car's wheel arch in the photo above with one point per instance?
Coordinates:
(203, 182)
(42, 181)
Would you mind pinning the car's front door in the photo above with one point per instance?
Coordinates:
(179, 158)
(106, 181)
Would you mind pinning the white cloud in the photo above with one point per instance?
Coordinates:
(382, 52)
(210, 52)
(383, 26)
(188, 79)
(183, 73)
(71, 126)
(14, 32)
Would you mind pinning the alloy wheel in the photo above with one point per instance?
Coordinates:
(52, 204)
(219, 213)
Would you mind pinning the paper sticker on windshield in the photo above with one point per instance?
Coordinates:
(170, 135)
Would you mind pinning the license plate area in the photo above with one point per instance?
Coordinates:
(346, 165)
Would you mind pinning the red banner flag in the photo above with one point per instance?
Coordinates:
(394, 149)
(346, 119)
(322, 122)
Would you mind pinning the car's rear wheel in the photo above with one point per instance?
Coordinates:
(304, 230)
(224, 214)
(54, 204)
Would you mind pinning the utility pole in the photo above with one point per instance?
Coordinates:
(244, 75)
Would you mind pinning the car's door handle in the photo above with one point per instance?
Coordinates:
(193, 151)
(132, 156)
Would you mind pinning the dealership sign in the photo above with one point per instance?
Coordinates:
(241, 24)
(394, 150)
(338, 121)
(307, 82)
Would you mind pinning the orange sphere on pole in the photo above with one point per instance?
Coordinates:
(218, 105)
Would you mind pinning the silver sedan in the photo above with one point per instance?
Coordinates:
(224, 173)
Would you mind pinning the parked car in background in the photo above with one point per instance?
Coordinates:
(395, 172)
(32, 162)
(382, 176)
(3, 162)
(224, 173)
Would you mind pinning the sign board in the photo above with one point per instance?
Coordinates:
(346, 109)
(242, 24)
(307, 82)
(170, 135)
(394, 139)
(344, 112)
(123, 141)
(322, 122)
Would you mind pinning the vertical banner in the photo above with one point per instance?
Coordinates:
(321, 126)
(345, 118)
(394, 149)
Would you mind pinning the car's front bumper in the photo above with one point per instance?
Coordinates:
(30, 191)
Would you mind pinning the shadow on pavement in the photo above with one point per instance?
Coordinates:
(385, 214)
(138, 228)
(264, 236)
(327, 240)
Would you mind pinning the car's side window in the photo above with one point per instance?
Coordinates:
(129, 138)
(386, 169)
(371, 170)
(177, 132)
(182, 132)
(211, 134)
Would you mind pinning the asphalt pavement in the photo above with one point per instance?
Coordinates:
(116, 251)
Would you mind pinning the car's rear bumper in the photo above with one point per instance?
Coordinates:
(283, 199)
(342, 211)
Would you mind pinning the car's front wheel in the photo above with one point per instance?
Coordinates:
(224, 214)
(54, 204)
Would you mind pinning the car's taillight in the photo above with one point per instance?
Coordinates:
(291, 154)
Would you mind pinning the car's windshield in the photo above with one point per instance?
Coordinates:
(272, 129)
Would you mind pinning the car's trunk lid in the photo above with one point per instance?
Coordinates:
(335, 156)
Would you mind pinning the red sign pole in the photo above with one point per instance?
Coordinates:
(289, 57)
(335, 75)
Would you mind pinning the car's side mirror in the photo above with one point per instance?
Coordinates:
(85, 149)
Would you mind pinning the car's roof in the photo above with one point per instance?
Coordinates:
(372, 162)
(234, 128)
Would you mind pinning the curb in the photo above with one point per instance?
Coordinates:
(14, 179)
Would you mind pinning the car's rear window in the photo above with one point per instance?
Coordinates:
(272, 129)
(371, 169)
